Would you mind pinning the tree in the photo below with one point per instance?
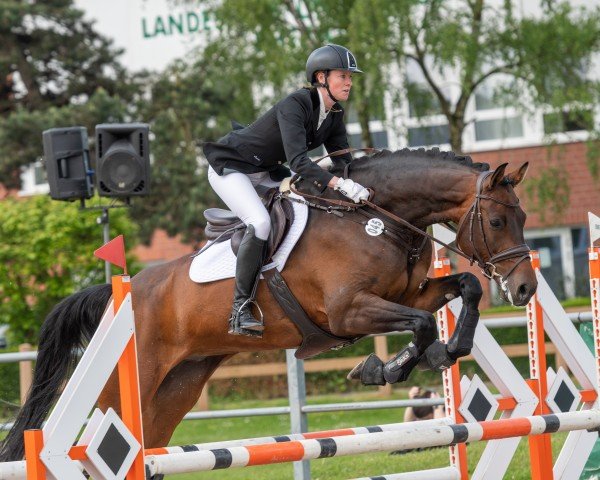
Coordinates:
(544, 60)
(61, 72)
(46, 253)
(51, 54)
(544, 57)
(185, 105)
(55, 70)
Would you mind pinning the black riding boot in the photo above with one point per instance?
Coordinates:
(247, 270)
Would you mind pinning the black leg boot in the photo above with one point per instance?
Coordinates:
(247, 271)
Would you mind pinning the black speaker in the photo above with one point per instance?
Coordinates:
(66, 154)
(122, 159)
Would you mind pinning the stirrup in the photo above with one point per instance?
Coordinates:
(247, 304)
(234, 322)
(235, 329)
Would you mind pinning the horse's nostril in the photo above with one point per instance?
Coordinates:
(524, 291)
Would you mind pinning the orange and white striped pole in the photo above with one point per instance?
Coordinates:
(451, 377)
(129, 383)
(594, 263)
(540, 447)
(113, 252)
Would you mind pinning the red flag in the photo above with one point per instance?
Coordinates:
(113, 252)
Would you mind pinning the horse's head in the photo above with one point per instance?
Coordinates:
(491, 234)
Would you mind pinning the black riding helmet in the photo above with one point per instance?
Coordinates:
(327, 58)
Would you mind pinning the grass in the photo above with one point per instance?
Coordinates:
(331, 468)
(365, 465)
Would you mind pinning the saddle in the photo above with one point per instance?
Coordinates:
(223, 225)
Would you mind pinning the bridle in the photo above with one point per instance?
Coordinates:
(488, 267)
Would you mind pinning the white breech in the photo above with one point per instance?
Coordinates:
(236, 189)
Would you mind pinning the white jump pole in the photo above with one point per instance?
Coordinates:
(416, 437)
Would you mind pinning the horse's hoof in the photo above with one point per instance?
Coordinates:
(369, 371)
(354, 374)
(437, 357)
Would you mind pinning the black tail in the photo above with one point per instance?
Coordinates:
(69, 326)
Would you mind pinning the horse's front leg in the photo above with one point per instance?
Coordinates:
(435, 294)
(426, 350)
(370, 314)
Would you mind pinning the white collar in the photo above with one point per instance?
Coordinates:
(322, 113)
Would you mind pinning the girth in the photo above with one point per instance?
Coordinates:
(315, 340)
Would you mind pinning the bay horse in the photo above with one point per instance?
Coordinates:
(349, 283)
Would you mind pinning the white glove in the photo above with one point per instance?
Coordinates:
(354, 191)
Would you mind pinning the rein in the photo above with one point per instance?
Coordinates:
(488, 268)
(348, 150)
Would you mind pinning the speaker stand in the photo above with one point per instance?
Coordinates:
(104, 220)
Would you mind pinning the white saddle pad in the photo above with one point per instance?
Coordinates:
(218, 261)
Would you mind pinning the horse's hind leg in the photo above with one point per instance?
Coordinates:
(176, 396)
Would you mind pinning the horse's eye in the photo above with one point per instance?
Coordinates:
(496, 223)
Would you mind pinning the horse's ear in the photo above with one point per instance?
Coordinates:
(497, 176)
(516, 177)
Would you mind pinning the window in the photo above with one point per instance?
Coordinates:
(568, 121)
(581, 240)
(558, 256)
(39, 174)
(499, 128)
(550, 262)
(421, 99)
(486, 98)
(430, 135)
(488, 95)
(378, 139)
(33, 180)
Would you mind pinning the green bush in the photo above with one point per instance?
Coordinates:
(46, 254)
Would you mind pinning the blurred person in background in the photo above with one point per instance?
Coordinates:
(412, 414)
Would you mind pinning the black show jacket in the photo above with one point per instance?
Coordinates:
(285, 133)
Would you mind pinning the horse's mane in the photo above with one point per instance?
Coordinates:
(434, 157)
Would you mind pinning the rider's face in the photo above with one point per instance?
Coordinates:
(340, 83)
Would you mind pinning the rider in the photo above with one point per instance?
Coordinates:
(252, 156)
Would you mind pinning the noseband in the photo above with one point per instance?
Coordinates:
(474, 216)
